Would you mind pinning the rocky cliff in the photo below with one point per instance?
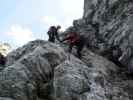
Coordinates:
(107, 23)
(41, 70)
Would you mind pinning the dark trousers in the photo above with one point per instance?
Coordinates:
(79, 47)
(51, 39)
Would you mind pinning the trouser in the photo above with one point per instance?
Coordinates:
(51, 39)
(79, 47)
(70, 48)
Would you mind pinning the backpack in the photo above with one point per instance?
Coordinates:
(51, 31)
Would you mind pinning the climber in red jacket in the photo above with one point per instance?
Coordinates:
(74, 39)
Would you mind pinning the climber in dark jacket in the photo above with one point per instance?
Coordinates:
(53, 33)
(2, 60)
(74, 39)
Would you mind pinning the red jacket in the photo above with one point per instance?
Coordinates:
(72, 38)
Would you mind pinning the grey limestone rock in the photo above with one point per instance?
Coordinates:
(114, 26)
(30, 71)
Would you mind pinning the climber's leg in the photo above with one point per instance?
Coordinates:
(70, 50)
(79, 49)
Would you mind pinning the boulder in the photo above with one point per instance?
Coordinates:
(30, 71)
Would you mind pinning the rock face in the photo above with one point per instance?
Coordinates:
(109, 22)
(93, 79)
(42, 71)
(29, 71)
